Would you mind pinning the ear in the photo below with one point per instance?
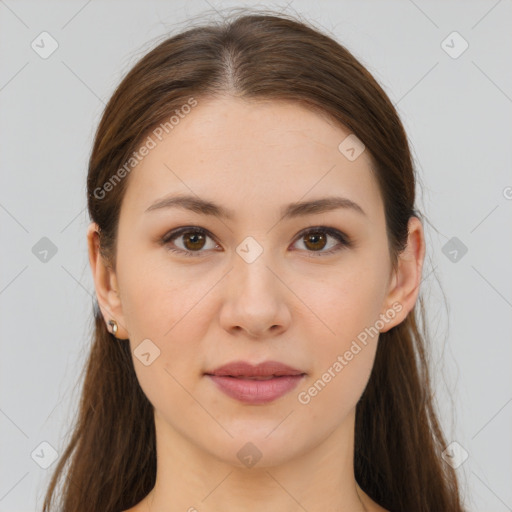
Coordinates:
(405, 282)
(105, 282)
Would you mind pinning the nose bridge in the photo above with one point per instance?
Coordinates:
(255, 298)
(252, 264)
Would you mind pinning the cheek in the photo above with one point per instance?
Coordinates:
(156, 294)
(169, 305)
(160, 305)
(347, 303)
(348, 306)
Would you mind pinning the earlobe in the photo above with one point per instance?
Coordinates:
(405, 284)
(105, 283)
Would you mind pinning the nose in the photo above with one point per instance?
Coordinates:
(255, 300)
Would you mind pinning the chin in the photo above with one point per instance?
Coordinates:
(258, 450)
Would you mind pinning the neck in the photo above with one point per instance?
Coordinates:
(191, 479)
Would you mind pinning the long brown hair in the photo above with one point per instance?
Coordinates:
(110, 461)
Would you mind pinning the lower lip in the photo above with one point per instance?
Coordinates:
(256, 391)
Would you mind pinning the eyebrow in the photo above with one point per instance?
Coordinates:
(292, 210)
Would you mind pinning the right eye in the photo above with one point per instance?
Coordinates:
(193, 238)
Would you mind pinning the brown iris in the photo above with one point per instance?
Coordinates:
(316, 238)
(196, 240)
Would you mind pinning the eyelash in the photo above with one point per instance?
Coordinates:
(344, 241)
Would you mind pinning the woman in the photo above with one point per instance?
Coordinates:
(257, 259)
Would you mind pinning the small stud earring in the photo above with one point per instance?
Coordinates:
(113, 325)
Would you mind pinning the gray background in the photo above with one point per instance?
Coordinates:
(457, 113)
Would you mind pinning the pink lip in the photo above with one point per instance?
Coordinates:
(234, 379)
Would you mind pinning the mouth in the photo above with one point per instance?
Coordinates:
(265, 370)
(256, 384)
(246, 377)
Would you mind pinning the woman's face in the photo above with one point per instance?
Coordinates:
(253, 286)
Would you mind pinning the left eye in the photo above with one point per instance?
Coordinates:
(194, 239)
(315, 237)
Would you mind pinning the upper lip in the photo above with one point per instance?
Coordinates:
(245, 369)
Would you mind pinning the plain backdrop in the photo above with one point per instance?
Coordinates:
(454, 95)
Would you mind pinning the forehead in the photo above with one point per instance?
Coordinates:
(249, 154)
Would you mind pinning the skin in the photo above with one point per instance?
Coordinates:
(214, 308)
